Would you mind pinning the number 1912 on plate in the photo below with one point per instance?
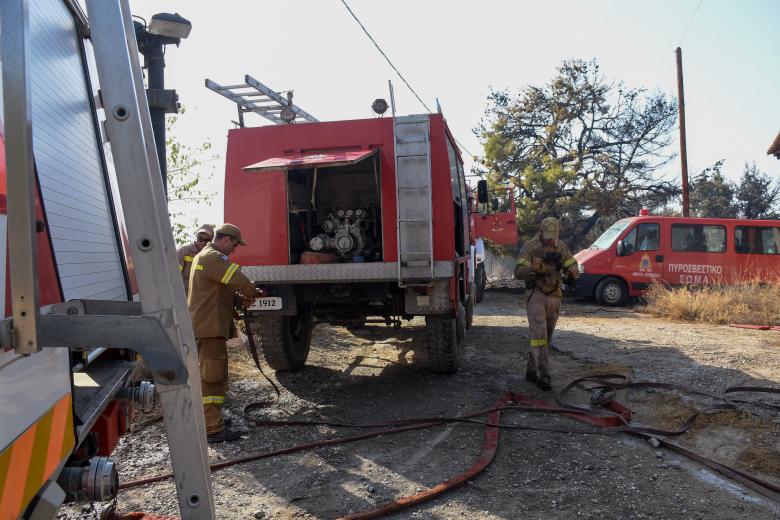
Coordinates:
(270, 303)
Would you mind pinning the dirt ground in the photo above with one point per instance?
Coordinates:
(374, 374)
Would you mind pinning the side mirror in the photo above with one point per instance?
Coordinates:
(620, 248)
(495, 204)
(482, 192)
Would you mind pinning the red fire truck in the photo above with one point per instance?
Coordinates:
(635, 252)
(349, 221)
(499, 227)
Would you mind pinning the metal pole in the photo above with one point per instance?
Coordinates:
(156, 65)
(20, 166)
(683, 145)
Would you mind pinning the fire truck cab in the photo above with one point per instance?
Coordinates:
(349, 222)
(635, 252)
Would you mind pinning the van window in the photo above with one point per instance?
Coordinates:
(643, 237)
(608, 237)
(698, 238)
(757, 240)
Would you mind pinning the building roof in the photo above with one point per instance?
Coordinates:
(774, 148)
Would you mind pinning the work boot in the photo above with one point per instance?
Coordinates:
(225, 435)
(543, 382)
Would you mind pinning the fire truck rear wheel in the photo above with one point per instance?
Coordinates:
(443, 347)
(611, 291)
(286, 340)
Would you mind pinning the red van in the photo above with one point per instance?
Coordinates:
(635, 252)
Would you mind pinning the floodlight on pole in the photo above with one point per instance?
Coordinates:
(170, 26)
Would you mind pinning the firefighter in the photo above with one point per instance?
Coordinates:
(203, 236)
(542, 263)
(214, 282)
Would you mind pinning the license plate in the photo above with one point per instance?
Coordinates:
(270, 303)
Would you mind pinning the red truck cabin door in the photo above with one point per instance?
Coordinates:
(640, 258)
(698, 254)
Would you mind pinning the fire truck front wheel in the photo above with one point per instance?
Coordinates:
(611, 291)
(442, 342)
(470, 306)
(480, 277)
(285, 340)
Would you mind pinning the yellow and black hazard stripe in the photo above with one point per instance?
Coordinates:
(30, 461)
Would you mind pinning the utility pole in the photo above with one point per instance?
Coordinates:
(683, 146)
(164, 29)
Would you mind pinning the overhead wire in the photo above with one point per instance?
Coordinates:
(398, 72)
(690, 22)
(385, 55)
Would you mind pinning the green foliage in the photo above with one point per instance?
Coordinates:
(756, 196)
(712, 195)
(496, 249)
(579, 148)
(186, 178)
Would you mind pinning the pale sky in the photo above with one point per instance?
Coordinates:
(458, 50)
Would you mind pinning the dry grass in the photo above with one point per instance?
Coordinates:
(749, 303)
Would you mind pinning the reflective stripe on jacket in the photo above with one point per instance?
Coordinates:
(549, 279)
(214, 280)
(186, 255)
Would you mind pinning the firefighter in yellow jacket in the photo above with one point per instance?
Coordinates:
(187, 253)
(214, 281)
(542, 263)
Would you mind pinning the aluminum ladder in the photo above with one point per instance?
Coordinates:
(413, 199)
(253, 96)
(158, 327)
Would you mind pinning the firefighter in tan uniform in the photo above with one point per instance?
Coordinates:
(542, 263)
(214, 281)
(187, 253)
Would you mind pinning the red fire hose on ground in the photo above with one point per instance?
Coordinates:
(610, 416)
(756, 327)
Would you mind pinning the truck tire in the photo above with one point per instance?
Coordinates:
(470, 302)
(480, 278)
(611, 291)
(443, 347)
(285, 340)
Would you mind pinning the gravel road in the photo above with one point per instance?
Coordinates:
(375, 374)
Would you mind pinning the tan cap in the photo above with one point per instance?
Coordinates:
(231, 231)
(206, 228)
(551, 229)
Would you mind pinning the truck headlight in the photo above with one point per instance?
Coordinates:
(581, 268)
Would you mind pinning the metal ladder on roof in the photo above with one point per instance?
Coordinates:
(158, 327)
(413, 199)
(253, 96)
